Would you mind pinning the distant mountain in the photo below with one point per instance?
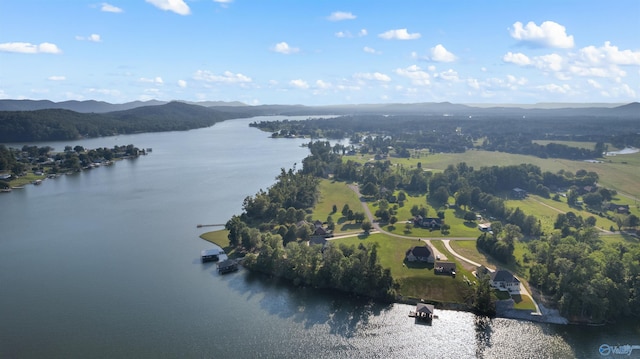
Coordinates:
(61, 124)
(76, 106)
(216, 103)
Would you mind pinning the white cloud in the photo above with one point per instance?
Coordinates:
(415, 74)
(105, 7)
(372, 76)
(370, 50)
(551, 62)
(92, 38)
(28, 48)
(440, 54)
(609, 54)
(157, 80)
(473, 83)
(108, 92)
(56, 78)
(284, 48)
(517, 58)
(399, 34)
(595, 84)
(301, 84)
(348, 34)
(226, 77)
(449, 75)
(182, 83)
(177, 6)
(516, 81)
(323, 85)
(341, 15)
(548, 34)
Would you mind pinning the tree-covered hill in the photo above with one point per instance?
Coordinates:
(59, 124)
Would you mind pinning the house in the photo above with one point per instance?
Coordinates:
(484, 227)
(519, 193)
(445, 268)
(619, 208)
(320, 230)
(5, 176)
(420, 254)
(503, 280)
(428, 222)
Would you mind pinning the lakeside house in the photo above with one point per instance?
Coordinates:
(505, 281)
(423, 312)
(420, 254)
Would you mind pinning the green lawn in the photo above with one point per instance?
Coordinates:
(416, 280)
(27, 179)
(523, 302)
(338, 193)
(220, 238)
(616, 172)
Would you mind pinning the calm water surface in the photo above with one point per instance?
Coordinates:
(105, 264)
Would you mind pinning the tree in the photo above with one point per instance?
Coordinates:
(345, 210)
(441, 195)
(366, 226)
(632, 221)
(469, 216)
(482, 302)
(334, 209)
(369, 189)
(235, 227)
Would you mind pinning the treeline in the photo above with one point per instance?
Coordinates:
(44, 159)
(59, 125)
(590, 279)
(346, 268)
(404, 133)
(272, 231)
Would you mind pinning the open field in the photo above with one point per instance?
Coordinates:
(338, 193)
(621, 172)
(576, 144)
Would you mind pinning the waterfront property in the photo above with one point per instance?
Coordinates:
(210, 255)
(227, 266)
(423, 312)
(420, 254)
(504, 280)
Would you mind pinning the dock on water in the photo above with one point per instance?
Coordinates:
(423, 312)
(227, 266)
(210, 225)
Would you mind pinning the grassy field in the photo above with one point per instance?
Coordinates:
(416, 280)
(576, 144)
(338, 193)
(621, 172)
(30, 177)
(523, 302)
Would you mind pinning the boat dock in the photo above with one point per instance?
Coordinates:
(423, 312)
(227, 266)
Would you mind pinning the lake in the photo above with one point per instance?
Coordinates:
(105, 264)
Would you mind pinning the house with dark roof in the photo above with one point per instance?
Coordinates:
(448, 268)
(428, 222)
(420, 254)
(423, 312)
(504, 280)
(518, 193)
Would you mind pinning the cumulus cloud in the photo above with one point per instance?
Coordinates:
(377, 76)
(177, 6)
(609, 54)
(29, 48)
(105, 7)
(301, 84)
(556, 89)
(227, 77)
(517, 58)
(440, 54)
(399, 34)
(284, 48)
(548, 34)
(415, 74)
(56, 78)
(182, 83)
(340, 15)
(92, 38)
(449, 75)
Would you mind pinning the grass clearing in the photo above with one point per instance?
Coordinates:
(416, 280)
(338, 193)
(523, 302)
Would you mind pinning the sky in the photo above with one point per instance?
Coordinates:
(321, 52)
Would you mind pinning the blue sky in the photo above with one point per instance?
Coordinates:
(321, 52)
